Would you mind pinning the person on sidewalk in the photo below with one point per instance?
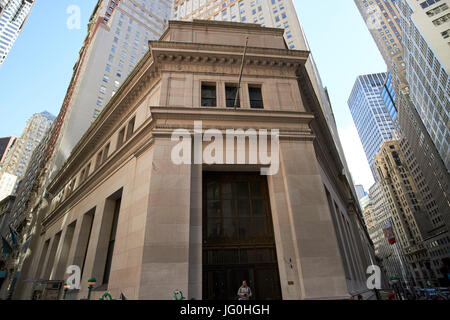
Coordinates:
(244, 292)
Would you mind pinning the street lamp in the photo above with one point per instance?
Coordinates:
(91, 283)
(66, 288)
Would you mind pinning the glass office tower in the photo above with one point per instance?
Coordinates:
(13, 15)
(372, 117)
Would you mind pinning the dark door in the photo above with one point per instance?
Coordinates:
(238, 239)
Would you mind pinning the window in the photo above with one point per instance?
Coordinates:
(130, 128)
(88, 168)
(105, 153)
(441, 20)
(445, 34)
(437, 10)
(112, 240)
(209, 95)
(85, 173)
(256, 100)
(231, 95)
(428, 3)
(99, 159)
(121, 138)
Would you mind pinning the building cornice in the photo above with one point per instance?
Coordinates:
(291, 125)
(186, 52)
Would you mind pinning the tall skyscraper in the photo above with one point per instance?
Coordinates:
(424, 55)
(13, 15)
(390, 255)
(360, 192)
(118, 35)
(18, 158)
(22, 216)
(383, 21)
(372, 118)
(415, 226)
(426, 32)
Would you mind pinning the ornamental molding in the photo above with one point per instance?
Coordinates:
(291, 125)
(210, 54)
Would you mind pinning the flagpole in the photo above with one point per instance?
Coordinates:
(240, 74)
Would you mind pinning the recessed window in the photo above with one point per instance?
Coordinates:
(209, 96)
(112, 240)
(130, 128)
(256, 99)
(105, 153)
(98, 162)
(121, 137)
(231, 95)
(85, 172)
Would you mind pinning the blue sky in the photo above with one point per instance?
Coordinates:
(37, 72)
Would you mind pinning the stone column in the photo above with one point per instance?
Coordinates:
(165, 262)
(196, 235)
(317, 258)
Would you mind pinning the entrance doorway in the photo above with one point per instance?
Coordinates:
(238, 238)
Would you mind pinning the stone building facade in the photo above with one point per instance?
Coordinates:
(142, 224)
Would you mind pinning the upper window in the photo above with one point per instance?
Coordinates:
(120, 139)
(256, 99)
(231, 96)
(209, 96)
(130, 128)
(98, 162)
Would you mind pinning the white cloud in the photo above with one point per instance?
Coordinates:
(355, 156)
